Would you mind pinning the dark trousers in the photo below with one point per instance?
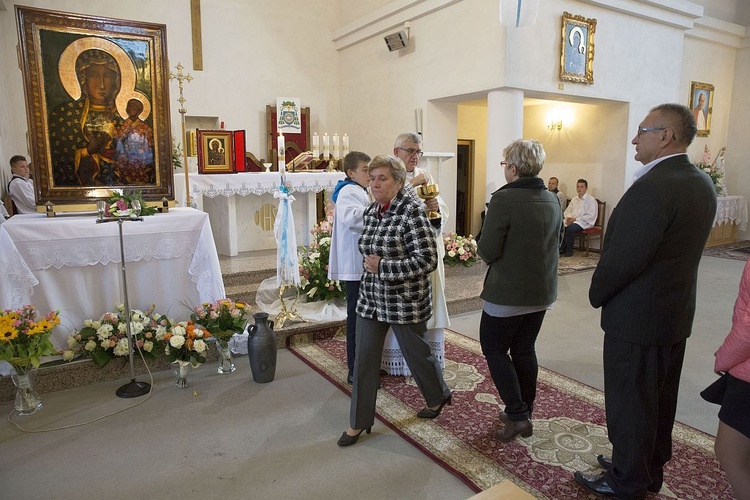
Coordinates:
(640, 394)
(569, 238)
(352, 294)
(515, 374)
(424, 367)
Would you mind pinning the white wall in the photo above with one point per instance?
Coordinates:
(738, 146)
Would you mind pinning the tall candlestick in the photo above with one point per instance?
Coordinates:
(316, 146)
(345, 141)
(326, 146)
(281, 145)
(336, 150)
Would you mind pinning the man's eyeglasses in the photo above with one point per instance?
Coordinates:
(412, 152)
(643, 130)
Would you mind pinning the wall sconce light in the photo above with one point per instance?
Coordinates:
(555, 125)
(399, 40)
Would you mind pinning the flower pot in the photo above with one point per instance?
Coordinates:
(226, 363)
(27, 400)
(261, 348)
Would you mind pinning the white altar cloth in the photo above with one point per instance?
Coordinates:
(235, 203)
(732, 210)
(71, 263)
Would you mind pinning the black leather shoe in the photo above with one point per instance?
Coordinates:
(428, 412)
(596, 483)
(503, 417)
(347, 440)
(605, 463)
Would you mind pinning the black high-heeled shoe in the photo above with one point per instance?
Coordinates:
(347, 440)
(428, 412)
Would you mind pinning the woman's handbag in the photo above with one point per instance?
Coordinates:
(714, 393)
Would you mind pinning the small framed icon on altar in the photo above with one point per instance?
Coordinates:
(215, 152)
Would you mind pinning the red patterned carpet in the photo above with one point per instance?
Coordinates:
(569, 427)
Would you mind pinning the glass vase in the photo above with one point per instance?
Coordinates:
(27, 400)
(226, 363)
(181, 370)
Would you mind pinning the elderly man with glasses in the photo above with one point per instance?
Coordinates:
(645, 283)
(408, 148)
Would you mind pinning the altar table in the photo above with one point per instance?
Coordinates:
(242, 207)
(71, 263)
(731, 214)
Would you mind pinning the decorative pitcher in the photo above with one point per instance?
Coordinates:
(261, 348)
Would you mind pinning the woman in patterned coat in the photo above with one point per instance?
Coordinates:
(399, 252)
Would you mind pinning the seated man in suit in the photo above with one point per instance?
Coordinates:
(581, 214)
(21, 187)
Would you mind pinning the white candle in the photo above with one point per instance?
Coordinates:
(326, 146)
(281, 146)
(336, 150)
(316, 146)
(345, 141)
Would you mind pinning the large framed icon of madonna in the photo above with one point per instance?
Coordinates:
(97, 106)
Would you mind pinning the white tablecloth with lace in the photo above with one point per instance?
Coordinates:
(72, 264)
(731, 210)
(242, 207)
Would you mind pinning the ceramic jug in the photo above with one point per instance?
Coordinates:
(261, 348)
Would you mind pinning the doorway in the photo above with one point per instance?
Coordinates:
(464, 185)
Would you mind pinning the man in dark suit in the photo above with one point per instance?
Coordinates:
(645, 284)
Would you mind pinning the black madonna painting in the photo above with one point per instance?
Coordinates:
(97, 105)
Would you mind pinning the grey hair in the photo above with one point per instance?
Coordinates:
(527, 155)
(407, 137)
(393, 164)
(680, 119)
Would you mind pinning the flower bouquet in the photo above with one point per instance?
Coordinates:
(24, 340)
(107, 338)
(222, 319)
(714, 171)
(313, 268)
(120, 204)
(460, 250)
(185, 347)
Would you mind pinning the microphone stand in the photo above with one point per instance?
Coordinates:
(133, 389)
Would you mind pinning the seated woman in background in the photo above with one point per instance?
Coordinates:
(399, 252)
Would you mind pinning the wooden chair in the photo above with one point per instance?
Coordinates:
(584, 237)
(9, 206)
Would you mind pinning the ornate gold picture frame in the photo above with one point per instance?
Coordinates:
(577, 59)
(702, 105)
(97, 104)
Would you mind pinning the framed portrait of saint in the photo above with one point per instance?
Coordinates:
(702, 105)
(577, 59)
(216, 152)
(97, 105)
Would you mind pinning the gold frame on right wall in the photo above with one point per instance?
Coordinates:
(577, 49)
(702, 110)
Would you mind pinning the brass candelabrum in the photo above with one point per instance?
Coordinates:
(429, 192)
(291, 313)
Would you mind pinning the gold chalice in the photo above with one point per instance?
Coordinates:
(429, 192)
